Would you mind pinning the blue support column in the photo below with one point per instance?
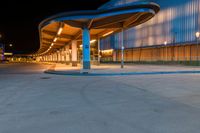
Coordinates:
(86, 49)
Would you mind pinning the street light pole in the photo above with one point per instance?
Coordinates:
(165, 43)
(122, 49)
(197, 51)
(98, 51)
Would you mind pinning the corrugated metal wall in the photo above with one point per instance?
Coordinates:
(176, 23)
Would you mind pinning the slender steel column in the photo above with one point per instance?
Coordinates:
(86, 48)
(122, 49)
(98, 51)
(197, 51)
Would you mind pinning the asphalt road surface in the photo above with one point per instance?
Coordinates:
(34, 102)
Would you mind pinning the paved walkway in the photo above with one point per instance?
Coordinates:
(114, 69)
(34, 102)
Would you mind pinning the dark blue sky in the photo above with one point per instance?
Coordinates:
(19, 19)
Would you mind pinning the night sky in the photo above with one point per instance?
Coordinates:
(19, 19)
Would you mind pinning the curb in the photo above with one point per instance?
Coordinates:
(77, 73)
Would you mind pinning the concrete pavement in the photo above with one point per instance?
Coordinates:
(31, 101)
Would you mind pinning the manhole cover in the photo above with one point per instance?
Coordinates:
(45, 78)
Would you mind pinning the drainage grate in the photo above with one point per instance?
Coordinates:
(45, 78)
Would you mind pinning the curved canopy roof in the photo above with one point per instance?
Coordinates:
(59, 30)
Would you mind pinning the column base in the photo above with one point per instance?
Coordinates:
(74, 64)
(85, 71)
(86, 65)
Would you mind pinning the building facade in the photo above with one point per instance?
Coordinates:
(169, 36)
(1, 52)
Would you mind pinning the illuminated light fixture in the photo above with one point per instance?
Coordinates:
(108, 33)
(60, 31)
(107, 51)
(52, 44)
(55, 39)
(165, 42)
(8, 53)
(92, 41)
(197, 34)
